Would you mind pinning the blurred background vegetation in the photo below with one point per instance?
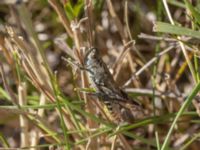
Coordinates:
(151, 48)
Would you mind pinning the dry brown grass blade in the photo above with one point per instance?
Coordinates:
(135, 75)
(62, 16)
(35, 118)
(5, 50)
(48, 94)
(157, 93)
(117, 21)
(89, 13)
(28, 53)
(24, 123)
(123, 33)
(89, 106)
(60, 42)
(35, 134)
(156, 38)
(183, 48)
(122, 55)
(32, 68)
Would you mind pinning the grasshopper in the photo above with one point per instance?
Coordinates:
(122, 108)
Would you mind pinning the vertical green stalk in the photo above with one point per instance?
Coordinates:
(57, 93)
(159, 16)
(196, 67)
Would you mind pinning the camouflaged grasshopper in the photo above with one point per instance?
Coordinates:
(121, 107)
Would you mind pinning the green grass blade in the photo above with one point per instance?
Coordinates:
(4, 94)
(188, 143)
(193, 11)
(180, 112)
(176, 3)
(4, 141)
(173, 29)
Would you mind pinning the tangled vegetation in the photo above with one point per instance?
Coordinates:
(150, 47)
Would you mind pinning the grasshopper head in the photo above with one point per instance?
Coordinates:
(91, 55)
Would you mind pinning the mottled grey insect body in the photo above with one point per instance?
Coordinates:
(101, 77)
(117, 101)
